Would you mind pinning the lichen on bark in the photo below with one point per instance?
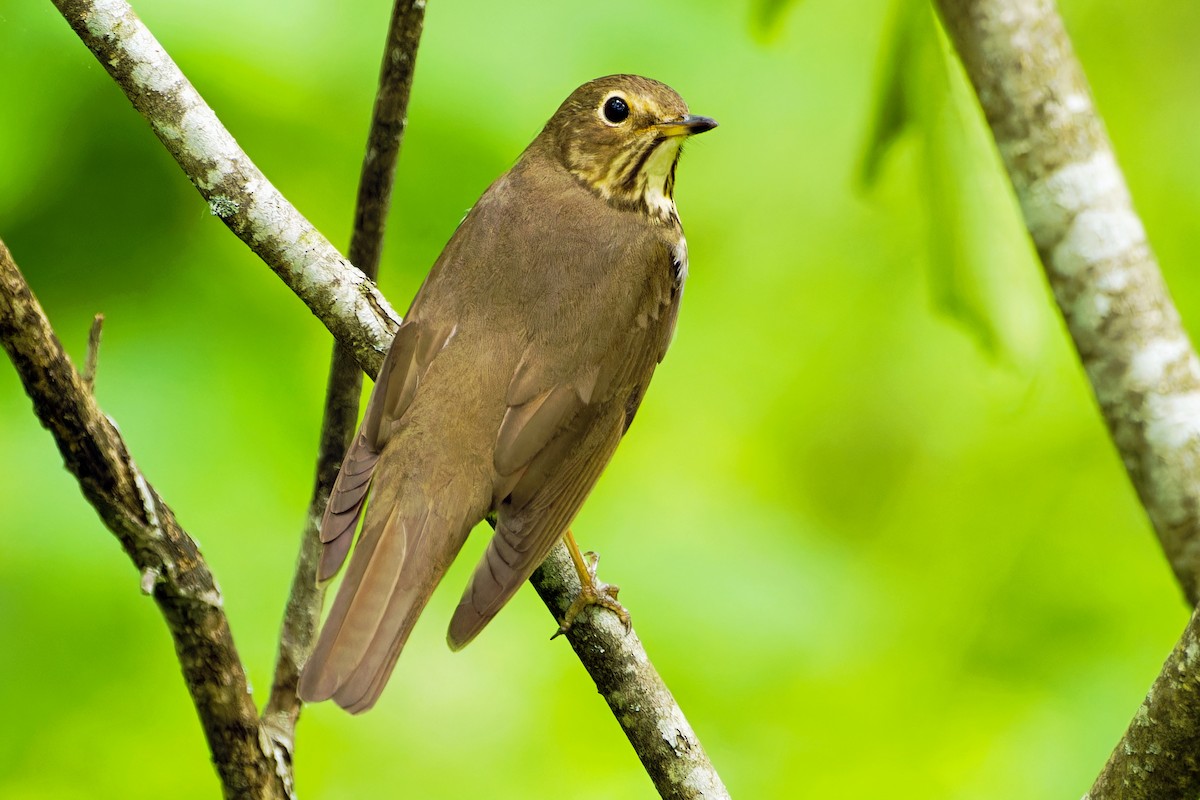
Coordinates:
(1099, 264)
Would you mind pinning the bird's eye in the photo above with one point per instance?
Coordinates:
(616, 110)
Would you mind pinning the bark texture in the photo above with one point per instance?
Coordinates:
(1140, 362)
(172, 569)
(388, 121)
(1159, 757)
(235, 189)
(643, 705)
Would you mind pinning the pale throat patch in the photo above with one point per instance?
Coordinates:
(653, 181)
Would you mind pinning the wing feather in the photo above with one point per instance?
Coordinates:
(567, 411)
(523, 538)
(527, 428)
(409, 355)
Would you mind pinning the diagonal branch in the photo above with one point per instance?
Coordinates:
(1158, 756)
(1131, 342)
(653, 722)
(388, 121)
(236, 190)
(361, 321)
(172, 569)
(1141, 365)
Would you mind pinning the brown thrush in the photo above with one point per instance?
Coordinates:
(519, 367)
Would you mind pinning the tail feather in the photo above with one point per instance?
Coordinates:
(390, 616)
(392, 574)
(335, 654)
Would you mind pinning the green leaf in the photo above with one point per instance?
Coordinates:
(970, 211)
(892, 113)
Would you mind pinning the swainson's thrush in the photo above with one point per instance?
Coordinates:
(517, 370)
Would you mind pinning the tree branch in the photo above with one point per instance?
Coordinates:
(643, 705)
(172, 569)
(388, 121)
(1141, 365)
(1159, 756)
(360, 319)
(236, 190)
(1140, 362)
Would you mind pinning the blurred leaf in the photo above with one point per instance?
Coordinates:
(960, 259)
(768, 14)
(892, 113)
(922, 87)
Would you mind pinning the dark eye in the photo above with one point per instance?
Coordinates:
(616, 110)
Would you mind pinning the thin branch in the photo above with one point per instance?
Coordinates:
(641, 702)
(171, 567)
(1141, 365)
(361, 321)
(93, 353)
(388, 121)
(236, 190)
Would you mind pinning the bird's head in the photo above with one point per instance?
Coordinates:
(621, 136)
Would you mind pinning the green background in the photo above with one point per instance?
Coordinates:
(869, 522)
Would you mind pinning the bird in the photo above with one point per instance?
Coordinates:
(515, 374)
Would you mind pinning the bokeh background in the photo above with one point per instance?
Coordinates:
(869, 522)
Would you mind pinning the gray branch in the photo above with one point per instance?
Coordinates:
(639, 699)
(1141, 365)
(362, 322)
(168, 560)
(236, 190)
(1140, 362)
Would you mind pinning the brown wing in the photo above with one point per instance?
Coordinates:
(558, 434)
(407, 359)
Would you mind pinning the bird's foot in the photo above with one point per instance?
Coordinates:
(592, 592)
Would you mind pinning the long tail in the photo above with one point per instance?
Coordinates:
(408, 541)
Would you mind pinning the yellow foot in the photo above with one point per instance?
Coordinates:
(592, 592)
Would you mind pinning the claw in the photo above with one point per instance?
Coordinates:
(592, 592)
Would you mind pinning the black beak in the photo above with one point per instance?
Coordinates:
(688, 126)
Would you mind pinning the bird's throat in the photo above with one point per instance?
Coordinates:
(642, 177)
(657, 179)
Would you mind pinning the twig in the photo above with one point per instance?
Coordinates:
(389, 119)
(93, 353)
(340, 295)
(236, 190)
(1159, 756)
(1141, 365)
(170, 564)
(388, 122)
